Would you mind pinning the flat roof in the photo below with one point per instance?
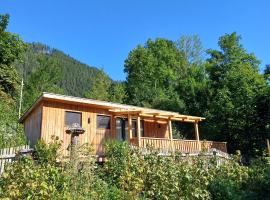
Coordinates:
(116, 108)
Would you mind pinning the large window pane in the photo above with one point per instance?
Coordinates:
(103, 121)
(134, 128)
(73, 117)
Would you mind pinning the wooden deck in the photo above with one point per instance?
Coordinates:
(184, 146)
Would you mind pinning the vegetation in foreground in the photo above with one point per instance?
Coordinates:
(129, 175)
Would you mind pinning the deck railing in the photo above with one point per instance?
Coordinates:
(184, 146)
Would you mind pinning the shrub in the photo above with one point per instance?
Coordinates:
(124, 168)
(132, 174)
(83, 175)
(47, 153)
(24, 179)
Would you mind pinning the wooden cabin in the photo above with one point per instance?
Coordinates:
(52, 114)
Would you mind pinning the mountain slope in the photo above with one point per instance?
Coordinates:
(77, 77)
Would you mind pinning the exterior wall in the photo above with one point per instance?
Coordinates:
(48, 120)
(53, 124)
(156, 130)
(32, 125)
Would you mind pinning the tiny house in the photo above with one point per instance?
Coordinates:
(52, 114)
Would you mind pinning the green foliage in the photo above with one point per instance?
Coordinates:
(47, 153)
(84, 180)
(174, 177)
(77, 77)
(11, 48)
(106, 90)
(100, 87)
(267, 72)
(171, 75)
(236, 87)
(226, 88)
(117, 92)
(11, 133)
(45, 177)
(152, 72)
(43, 79)
(152, 176)
(124, 169)
(129, 174)
(24, 179)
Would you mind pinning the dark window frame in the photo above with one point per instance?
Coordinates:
(73, 112)
(134, 128)
(103, 127)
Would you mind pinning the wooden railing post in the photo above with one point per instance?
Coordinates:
(171, 134)
(197, 135)
(129, 128)
(139, 130)
(268, 146)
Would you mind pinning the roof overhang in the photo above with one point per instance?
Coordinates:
(115, 108)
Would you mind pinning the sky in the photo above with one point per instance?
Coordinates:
(101, 33)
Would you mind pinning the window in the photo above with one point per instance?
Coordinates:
(73, 117)
(134, 128)
(103, 121)
(142, 128)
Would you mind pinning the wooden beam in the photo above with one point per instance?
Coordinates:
(139, 130)
(152, 116)
(157, 121)
(152, 113)
(268, 146)
(174, 118)
(197, 136)
(129, 127)
(171, 134)
(182, 120)
(170, 129)
(117, 111)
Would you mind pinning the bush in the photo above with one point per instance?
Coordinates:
(124, 168)
(24, 179)
(153, 176)
(47, 153)
(132, 174)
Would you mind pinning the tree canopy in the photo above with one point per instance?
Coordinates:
(226, 88)
(236, 89)
(11, 48)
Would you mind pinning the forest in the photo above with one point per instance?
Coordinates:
(228, 86)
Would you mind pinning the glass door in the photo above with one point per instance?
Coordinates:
(121, 129)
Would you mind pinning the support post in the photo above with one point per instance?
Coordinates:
(268, 146)
(197, 135)
(139, 130)
(171, 133)
(129, 128)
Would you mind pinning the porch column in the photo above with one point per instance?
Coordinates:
(268, 146)
(197, 137)
(139, 130)
(171, 134)
(129, 127)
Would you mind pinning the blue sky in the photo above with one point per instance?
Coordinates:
(101, 33)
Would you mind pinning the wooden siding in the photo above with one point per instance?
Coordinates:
(156, 130)
(53, 124)
(32, 125)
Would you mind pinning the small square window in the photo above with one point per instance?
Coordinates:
(73, 117)
(103, 121)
